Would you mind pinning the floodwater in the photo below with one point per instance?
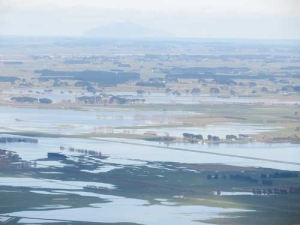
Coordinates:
(63, 121)
(162, 98)
(50, 184)
(137, 211)
(226, 193)
(126, 153)
(137, 152)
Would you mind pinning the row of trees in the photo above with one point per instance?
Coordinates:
(31, 100)
(108, 100)
(279, 175)
(239, 177)
(191, 136)
(276, 191)
(102, 78)
(18, 139)
(265, 179)
(199, 137)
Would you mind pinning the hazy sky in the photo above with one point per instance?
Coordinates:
(274, 19)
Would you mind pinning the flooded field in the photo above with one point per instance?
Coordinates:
(63, 121)
(162, 98)
(177, 123)
(159, 181)
(124, 152)
(109, 121)
(144, 212)
(55, 180)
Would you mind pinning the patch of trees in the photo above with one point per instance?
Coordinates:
(91, 89)
(13, 63)
(117, 100)
(18, 139)
(203, 81)
(237, 177)
(25, 99)
(83, 151)
(233, 92)
(121, 100)
(54, 155)
(168, 90)
(9, 79)
(45, 101)
(279, 175)
(90, 99)
(213, 138)
(111, 100)
(265, 179)
(140, 92)
(176, 93)
(297, 89)
(275, 191)
(103, 78)
(195, 137)
(252, 84)
(264, 89)
(231, 137)
(192, 136)
(31, 100)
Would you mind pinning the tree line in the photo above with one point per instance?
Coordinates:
(102, 78)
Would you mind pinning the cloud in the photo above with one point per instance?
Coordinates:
(189, 18)
(188, 6)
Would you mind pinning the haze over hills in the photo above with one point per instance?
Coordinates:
(126, 31)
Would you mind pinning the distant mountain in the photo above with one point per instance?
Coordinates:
(126, 31)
